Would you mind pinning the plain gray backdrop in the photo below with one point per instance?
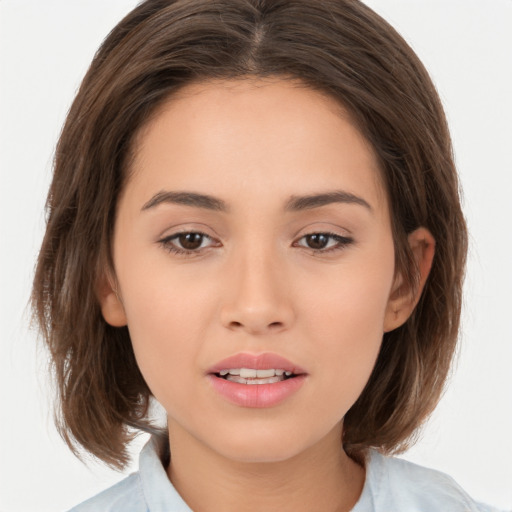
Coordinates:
(45, 48)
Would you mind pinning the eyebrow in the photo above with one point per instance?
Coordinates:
(187, 199)
(295, 203)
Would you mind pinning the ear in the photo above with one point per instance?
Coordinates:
(112, 308)
(403, 297)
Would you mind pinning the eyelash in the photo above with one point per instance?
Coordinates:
(168, 245)
(341, 242)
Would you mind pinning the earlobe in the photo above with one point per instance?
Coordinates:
(112, 307)
(404, 297)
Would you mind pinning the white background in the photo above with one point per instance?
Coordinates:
(45, 48)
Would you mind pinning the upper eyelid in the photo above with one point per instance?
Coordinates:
(202, 233)
(332, 232)
(334, 228)
(192, 227)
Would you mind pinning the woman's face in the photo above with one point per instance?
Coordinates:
(254, 234)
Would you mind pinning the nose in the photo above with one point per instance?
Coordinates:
(257, 297)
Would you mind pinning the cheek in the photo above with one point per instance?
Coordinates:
(345, 317)
(351, 298)
(166, 316)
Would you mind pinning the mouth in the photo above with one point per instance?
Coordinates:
(256, 380)
(251, 376)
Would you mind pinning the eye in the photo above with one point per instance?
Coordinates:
(187, 242)
(323, 242)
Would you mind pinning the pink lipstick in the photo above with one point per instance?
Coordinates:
(256, 380)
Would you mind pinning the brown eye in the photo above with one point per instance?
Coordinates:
(317, 240)
(190, 241)
(324, 242)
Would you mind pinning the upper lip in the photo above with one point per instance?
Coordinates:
(264, 361)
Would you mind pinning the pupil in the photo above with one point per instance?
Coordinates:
(191, 241)
(317, 241)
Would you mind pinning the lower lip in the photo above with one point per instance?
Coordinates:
(257, 395)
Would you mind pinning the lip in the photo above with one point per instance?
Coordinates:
(256, 395)
(264, 361)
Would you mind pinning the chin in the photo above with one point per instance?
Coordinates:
(262, 446)
(261, 454)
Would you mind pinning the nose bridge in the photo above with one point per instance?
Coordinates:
(257, 297)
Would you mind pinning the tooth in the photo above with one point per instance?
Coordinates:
(251, 373)
(269, 380)
(248, 373)
(265, 373)
(241, 380)
(236, 378)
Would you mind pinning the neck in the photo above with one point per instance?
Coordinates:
(322, 477)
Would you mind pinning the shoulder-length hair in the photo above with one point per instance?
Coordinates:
(338, 47)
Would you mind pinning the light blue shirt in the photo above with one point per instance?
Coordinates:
(392, 485)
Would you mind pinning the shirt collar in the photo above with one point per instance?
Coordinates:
(159, 493)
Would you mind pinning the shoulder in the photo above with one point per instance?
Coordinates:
(149, 489)
(127, 495)
(399, 485)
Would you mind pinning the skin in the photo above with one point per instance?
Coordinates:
(256, 285)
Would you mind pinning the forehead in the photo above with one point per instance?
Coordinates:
(220, 135)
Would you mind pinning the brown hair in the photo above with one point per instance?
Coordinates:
(339, 47)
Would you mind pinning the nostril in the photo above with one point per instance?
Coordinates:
(271, 326)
